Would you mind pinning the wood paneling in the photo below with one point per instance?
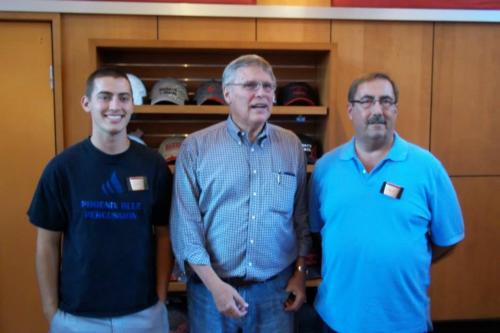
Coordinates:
(206, 28)
(465, 285)
(27, 142)
(465, 110)
(401, 49)
(315, 3)
(76, 32)
(288, 30)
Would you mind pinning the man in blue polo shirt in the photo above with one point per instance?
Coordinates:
(386, 210)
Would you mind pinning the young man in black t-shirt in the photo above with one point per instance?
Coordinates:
(101, 209)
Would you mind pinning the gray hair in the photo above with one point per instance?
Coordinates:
(246, 60)
(370, 77)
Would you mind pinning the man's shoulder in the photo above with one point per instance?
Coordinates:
(282, 133)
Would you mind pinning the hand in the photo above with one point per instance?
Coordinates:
(297, 288)
(49, 311)
(228, 301)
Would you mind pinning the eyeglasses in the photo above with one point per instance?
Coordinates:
(255, 85)
(369, 101)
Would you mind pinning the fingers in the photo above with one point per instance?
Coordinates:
(295, 301)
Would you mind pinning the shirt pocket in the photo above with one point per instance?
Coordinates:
(282, 188)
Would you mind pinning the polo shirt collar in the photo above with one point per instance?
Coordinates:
(398, 151)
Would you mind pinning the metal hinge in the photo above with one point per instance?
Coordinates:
(51, 77)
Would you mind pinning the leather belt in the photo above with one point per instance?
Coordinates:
(234, 281)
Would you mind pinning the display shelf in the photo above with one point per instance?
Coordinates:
(223, 109)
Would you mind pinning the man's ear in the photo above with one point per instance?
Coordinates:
(85, 103)
(227, 96)
(349, 110)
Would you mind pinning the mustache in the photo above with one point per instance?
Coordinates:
(376, 119)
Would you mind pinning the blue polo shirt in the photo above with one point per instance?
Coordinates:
(376, 246)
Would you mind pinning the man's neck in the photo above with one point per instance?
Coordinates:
(372, 152)
(110, 144)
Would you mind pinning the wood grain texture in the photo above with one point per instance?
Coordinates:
(27, 142)
(466, 108)
(401, 49)
(206, 29)
(465, 284)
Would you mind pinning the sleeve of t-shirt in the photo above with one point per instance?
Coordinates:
(447, 225)
(47, 209)
(161, 208)
(315, 221)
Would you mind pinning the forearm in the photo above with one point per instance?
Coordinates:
(439, 252)
(47, 268)
(207, 275)
(164, 262)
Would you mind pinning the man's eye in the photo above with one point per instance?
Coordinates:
(125, 98)
(104, 97)
(267, 85)
(386, 101)
(366, 101)
(251, 85)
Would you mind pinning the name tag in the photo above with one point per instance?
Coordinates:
(137, 183)
(391, 190)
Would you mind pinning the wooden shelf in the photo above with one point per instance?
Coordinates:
(177, 287)
(223, 109)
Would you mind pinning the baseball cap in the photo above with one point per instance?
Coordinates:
(138, 89)
(210, 92)
(311, 146)
(169, 148)
(298, 93)
(169, 91)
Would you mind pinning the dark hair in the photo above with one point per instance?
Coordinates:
(104, 72)
(245, 61)
(370, 77)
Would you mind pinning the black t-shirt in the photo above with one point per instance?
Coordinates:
(106, 206)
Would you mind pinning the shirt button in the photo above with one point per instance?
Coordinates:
(255, 171)
(253, 217)
(252, 149)
(250, 264)
(254, 194)
(364, 171)
(251, 241)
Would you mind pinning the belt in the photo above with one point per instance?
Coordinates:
(235, 281)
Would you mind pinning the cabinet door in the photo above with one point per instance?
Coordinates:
(27, 142)
(465, 110)
(206, 29)
(465, 284)
(401, 49)
(76, 32)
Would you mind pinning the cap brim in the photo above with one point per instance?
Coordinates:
(299, 99)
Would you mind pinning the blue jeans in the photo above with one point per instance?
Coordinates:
(151, 320)
(265, 314)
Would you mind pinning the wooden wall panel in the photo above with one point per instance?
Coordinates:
(288, 30)
(465, 110)
(76, 32)
(465, 284)
(315, 3)
(206, 29)
(27, 142)
(401, 49)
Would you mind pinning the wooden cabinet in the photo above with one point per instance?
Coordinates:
(401, 49)
(465, 117)
(195, 62)
(76, 32)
